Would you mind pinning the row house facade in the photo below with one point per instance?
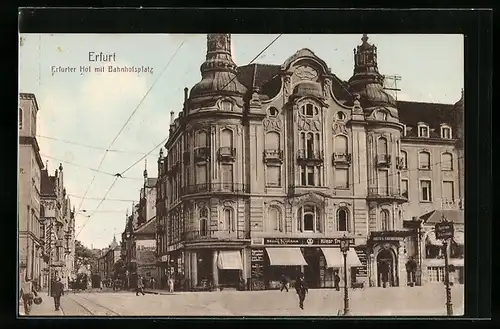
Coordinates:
(30, 224)
(268, 166)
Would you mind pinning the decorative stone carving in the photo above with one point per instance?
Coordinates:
(309, 124)
(227, 203)
(238, 129)
(306, 73)
(286, 86)
(386, 246)
(356, 108)
(255, 100)
(327, 87)
(309, 197)
(339, 127)
(272, 124)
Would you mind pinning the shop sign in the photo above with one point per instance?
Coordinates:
(444, 230)
(306, 241)
(388, 238)
(257, 255)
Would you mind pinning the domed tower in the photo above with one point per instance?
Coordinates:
(383, 133)
(218, 75)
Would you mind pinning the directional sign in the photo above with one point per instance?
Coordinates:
(444, 230)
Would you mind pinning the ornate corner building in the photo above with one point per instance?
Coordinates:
(267, 166)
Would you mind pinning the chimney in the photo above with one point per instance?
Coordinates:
(172, 117)
(186, 93)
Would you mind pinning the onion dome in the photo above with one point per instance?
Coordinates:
(366, 81)
(308, 88)
(218, 71)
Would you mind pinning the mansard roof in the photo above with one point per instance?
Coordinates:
(432, 114)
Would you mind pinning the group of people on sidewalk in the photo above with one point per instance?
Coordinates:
(29, 294)
(301, 286)
(141, 285)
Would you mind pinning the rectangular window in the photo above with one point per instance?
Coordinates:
(310, 176)
(448, 193)
(383, 182)
(341, 178)
(404, 188)
(201, 174)
(273, 176)
(425, 189)
(303, 179)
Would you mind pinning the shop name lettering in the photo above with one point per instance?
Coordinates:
(305, 241)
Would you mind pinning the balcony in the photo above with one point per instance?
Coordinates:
(386, 194)
(227, 154)
(400, 163)
(215, 188)
(201, 154)
(273, 156)
(341, 159)
(310, 157)
(186, 158)
(215, 235)
(384, 160)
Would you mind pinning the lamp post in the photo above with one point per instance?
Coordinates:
(444, 230)
(344, 247)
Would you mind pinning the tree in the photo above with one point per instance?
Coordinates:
(119, 269)
(83, 255)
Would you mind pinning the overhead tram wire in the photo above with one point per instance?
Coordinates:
(126, 122)
(88, 168)
(89, 198)
(156, 147)
(88, 146)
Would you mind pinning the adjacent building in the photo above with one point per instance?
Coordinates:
(30, 223)
(268, 166)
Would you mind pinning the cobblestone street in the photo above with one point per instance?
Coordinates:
(417, 301)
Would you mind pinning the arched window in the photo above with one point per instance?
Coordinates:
(424, 160)
(309, 219)
(229, 220)
(342, 220)
(20, 118)
(404, 160)
(382, 145)
(274, 219)
(446, 161)
(203, 221)
(384, 220)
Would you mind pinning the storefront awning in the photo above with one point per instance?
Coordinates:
(334, 258)
(285, 257)
(229, 260)
(431, 239)
(459, 237)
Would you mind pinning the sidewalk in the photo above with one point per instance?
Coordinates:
(46, 308)
(157, 292)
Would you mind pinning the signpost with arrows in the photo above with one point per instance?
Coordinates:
(445, 231)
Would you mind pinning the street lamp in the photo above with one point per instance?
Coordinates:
(444, 230)
(344, 247)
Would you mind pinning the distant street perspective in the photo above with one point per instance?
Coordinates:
(429, 300)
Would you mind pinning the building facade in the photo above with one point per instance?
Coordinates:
(30, 224)
(268, 166)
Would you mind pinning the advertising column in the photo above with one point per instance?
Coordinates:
(146, 259)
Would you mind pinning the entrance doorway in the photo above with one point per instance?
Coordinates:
(385, 268)
(312, 270)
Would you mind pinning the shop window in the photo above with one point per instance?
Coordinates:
(435, 273)
(456, 250)
(433, 252)
(342, 220)
(309, 219)
(446, 161)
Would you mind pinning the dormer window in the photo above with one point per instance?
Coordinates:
(423, 130)
(445, 132)
(381, 115)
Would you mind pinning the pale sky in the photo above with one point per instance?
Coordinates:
(91, 108)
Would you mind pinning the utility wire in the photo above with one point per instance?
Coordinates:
(88, 146)
(89, 168)
(89, 198)
(126, 122)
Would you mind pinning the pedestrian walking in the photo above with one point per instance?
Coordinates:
(57, 290)
(171, 284)
(301, 289)
(153, 283)
(28, 293)
(336, 281)
(140, 286)
(284, 283)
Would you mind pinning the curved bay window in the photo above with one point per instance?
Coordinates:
(384, 220)
(309, 219)
(342, 220)
(204, 222)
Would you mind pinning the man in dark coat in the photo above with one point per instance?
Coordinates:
(140, 286)
(336, 281)
(301, 289)
(284, 283)
(57, 290)
(28, 293)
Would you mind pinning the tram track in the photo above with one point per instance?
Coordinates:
(89, 311)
